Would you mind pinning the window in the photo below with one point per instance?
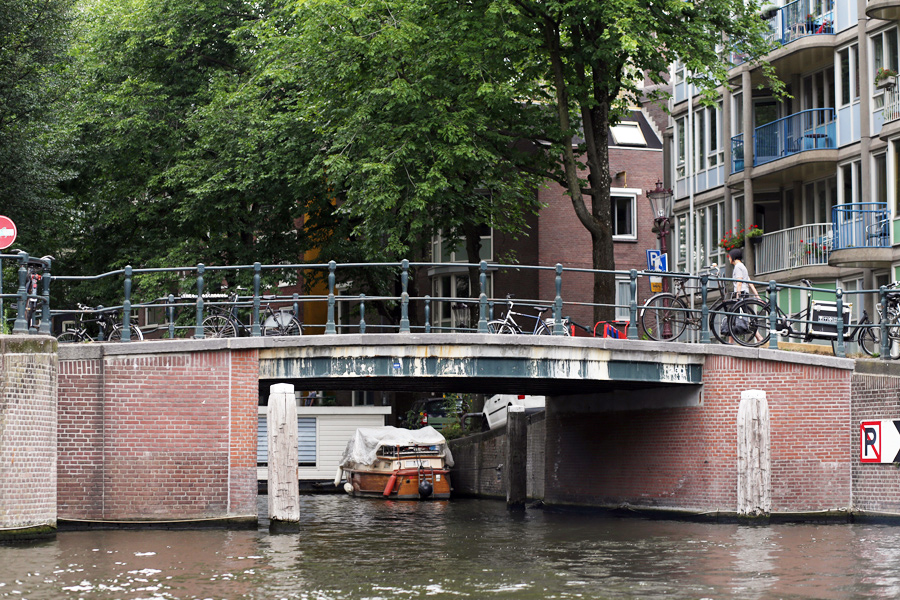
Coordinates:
(454, 250)
(679, 72)
(851, 178)
(716, 152)
(623, 299)
(885, 53)
(628, 133)
(448, 313)
(306, 441)
(710, 229)
(848, 61)
(820, 198)
(679, 241)
(680, 147)
(880, 191)
(737, 114)
(624, 204)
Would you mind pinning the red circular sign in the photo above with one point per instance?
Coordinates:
(7, 232)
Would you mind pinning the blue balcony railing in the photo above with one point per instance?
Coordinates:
(737, 153)
(861, 225)
(808, 130)
(803, 18)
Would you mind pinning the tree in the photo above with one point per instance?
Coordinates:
(184, 158)
(421, 122)
(33, 137)
(592, 55)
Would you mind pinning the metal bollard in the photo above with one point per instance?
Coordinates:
(482, 297)
(362, 313)
(255, 329)
(404, 296)
(329, 324)
(558, 328)
(428, 314)
(198, 326)
(839, 300)
(126, 306)
(773, 315)
(704, 309)
(632, 320)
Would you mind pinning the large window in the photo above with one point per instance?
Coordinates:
(885, 52)
(454, 249)
(848, 60)
(820, 198)
(680, 147)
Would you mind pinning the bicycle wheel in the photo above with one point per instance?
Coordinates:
(501, 327)
(542, 329)
(718, 321)
(664, 317)
(749, 326)
(69, 337)
(282, 324)
(869, 339)
(116, 333)
(218, 326)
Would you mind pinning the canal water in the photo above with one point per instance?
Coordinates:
(372, 549)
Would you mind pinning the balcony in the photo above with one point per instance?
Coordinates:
(890, 113)
(807, 130)
(886, 10)
(861, 234)
(802, 18)
(794, 248)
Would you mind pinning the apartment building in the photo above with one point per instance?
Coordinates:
(818, 171)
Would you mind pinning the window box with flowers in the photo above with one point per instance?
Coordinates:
(885, 79)
(812, 250)
(735, 238)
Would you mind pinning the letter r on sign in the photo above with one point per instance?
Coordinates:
(870, 441)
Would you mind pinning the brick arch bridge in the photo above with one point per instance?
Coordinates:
(167, 430)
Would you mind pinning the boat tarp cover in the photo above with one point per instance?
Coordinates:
(364, 444)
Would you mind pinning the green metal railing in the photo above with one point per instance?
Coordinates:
(192, 308)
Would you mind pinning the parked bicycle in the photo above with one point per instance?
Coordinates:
(509, 325)
(106, 324)
(665, 316)
(890, 312)
(750, 323)
(224, 322)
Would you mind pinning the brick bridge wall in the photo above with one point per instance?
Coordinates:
(28, 467)
(164, 436)
(685, 459)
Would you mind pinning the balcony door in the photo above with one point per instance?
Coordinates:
(768, 146)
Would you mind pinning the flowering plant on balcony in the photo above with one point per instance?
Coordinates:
(812, 250)
(885, 77)
(735, 238)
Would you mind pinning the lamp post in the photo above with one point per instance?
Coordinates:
(662, 202)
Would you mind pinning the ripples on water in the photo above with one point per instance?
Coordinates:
(371, 549)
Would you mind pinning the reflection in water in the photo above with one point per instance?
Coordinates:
(371, 549)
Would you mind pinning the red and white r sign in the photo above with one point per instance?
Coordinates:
(870, 441)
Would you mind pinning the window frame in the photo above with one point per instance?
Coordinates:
(632, 194)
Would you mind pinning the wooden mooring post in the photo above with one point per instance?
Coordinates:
(284, 493)
(754, 490)
(516, 458)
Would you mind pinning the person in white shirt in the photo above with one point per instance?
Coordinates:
(736, 258)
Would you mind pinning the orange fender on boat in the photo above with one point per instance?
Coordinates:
(390, 484)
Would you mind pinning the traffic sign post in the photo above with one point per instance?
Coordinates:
(657, 261)
(8, 232)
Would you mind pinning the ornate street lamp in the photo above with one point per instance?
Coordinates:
(662, 202)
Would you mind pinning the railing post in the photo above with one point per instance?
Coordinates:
(126, 306)
(632, 306)
(21, 323)
(362, 313)
(558, 328)
(45, 308)
(255, 329)
(296, 305)
(170, 311)
(198, 326)
(885, 343)
(428, 315)
(404, 296)
(482, 298)
(773, 315)
(704, 309)
(329, 324)
(839, 300)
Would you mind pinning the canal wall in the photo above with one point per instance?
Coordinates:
(28, 464)
(480, 462)
(162, 437)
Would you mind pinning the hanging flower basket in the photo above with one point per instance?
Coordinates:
(736, 238)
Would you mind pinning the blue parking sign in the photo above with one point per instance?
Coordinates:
(657, 261)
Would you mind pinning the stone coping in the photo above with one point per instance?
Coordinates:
(700, 351)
